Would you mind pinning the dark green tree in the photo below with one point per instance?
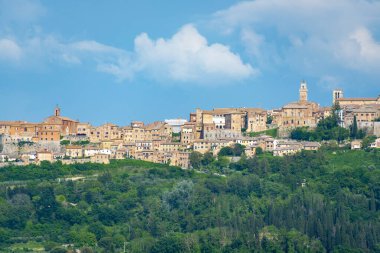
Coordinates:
(196, 159)
(354, 129)
(207, 159)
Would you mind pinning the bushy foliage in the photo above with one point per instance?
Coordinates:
(326, 201)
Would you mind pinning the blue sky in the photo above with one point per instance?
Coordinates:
(118, 61)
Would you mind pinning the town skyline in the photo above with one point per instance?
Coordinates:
(108, 62)
(185, 115)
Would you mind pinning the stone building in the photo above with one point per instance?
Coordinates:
(188, 133)
(67, 126)
(343, 102)
(300, 113)
(74, 151)
(100, 158)
(44, 155)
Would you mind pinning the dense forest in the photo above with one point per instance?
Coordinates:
(325, 201)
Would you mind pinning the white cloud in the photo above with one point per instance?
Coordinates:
(360, 49)
(94, 47)
(9, 50)
(187, 56)
(311, 36)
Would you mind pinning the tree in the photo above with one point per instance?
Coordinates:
(171, 243)
(238, 149)
(107, 244)
(207, 159)
(58, 250)
(269, 119)
(179, 196)
(226, 151)
(82, 237)
(300, 133)
(354, 129)
(195, 159)
(368, 140)
(335, 112)
(259, 151)
(46, 204)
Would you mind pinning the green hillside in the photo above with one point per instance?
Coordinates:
(326, 201)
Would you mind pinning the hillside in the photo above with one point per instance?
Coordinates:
(326, 201)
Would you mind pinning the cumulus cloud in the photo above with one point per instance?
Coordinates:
(9, 50)
(185, 57)
(311, 35)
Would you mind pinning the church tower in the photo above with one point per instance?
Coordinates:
(303, 91)
(57, 111)
(337, 93)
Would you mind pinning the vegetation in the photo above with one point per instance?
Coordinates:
(325, 201)
(65, 142)
(271, 132)
(269, 119)
(356, 133)
(236, 150)
(327, 129)
(81, 143)
(25, 143)
(76, 143)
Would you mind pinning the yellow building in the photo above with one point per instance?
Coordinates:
(100, 158)
(171, 146)
(300, 113)
(84, 129)
(188, 133)
(343, 102)
(67, 126)
(74, 151)
(44, 155)
(256, 120)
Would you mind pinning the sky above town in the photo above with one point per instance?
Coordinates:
(122, 60)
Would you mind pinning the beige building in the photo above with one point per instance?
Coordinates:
(106, 132)
(356, 144)
(44, 155)
(84, 129)
(343, 102)
(74, 151)
(171, 147)
(204, 146)
(256, 120)
(67, 126)
(100, 158)
(120, 154)
(286, 151)
(229, 120)
(300, 113)
(250, 151)
(188, 133)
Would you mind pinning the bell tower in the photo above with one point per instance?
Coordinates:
(303, 91)
(57, 111)
(337, 93)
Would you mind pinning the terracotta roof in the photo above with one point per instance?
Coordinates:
(296, 105)
(357, 99)
(73, 147)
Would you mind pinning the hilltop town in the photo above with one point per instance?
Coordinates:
(172, 141)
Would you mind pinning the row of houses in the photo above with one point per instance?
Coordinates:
(172, 141)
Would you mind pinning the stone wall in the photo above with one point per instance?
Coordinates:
(376, 129)
(15, 149)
